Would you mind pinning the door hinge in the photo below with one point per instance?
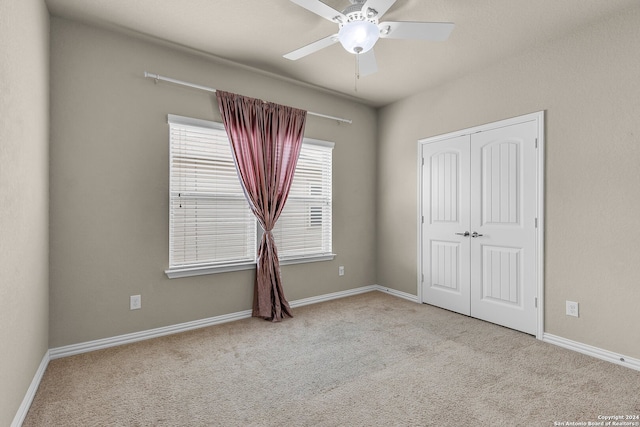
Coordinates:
(423, 161)
(536, 142)
(422, 277)
(536, 222)
(423, 219)
(536, 302)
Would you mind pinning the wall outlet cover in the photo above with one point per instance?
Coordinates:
(135, 302)
(572, 308)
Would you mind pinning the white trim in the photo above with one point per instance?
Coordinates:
(319, 143)
(396, 293)
(190, 121)
(537, 117)
(420, 223)
(31, 391)
(485, 127)
(179, 272)
(541, 222)
(592, 351)
(100, 344)
(305, 259)
(332, 296)
(85, 347)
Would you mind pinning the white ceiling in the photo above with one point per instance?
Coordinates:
(256, 33)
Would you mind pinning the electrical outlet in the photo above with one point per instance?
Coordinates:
(341, 270)
(572, 308)
(135, 302)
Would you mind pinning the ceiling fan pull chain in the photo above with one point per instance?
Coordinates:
(357, 50)
(355, 80)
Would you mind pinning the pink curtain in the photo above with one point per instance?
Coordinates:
(265, 141)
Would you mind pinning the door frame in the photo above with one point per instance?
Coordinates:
(537, 117)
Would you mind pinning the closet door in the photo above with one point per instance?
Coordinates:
(479, 200)
(445, 228)
(503, 226)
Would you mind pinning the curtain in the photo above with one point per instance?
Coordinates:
(265, 142)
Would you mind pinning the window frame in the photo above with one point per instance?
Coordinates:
(189, 270)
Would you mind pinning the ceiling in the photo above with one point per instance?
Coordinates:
(257, 33)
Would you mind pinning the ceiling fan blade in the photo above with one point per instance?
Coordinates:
(380, 6)
(312, 47)
(319, 8)
(368, 63)
(434, 31)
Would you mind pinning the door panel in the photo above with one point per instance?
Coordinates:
(503, 193)
(446, 212)
(445, 167)
(499, 174)
(445, 265)
(501, 268)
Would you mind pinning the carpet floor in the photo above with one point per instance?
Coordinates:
(367, 360)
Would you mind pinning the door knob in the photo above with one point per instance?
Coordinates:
(465, 234)
(475, 234)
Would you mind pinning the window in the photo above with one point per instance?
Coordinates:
(304, 227)
(212, 229)
(210, 222)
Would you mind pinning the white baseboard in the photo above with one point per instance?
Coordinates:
(596, 352)
(333, 295)
(85, 347)
(31, 391)
(396, 293)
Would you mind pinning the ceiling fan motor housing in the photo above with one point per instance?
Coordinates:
(355, 13)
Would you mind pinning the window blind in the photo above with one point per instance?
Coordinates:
(304, 227)
(210, 220)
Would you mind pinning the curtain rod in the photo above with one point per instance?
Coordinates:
(157, 77)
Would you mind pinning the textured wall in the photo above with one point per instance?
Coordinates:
(109, 185)
(589, 87)
(24, 187)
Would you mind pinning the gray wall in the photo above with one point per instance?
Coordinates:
(589, 86)
(109, 185)
(24, 187)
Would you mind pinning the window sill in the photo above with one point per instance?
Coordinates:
(180, 272)
(310, 258)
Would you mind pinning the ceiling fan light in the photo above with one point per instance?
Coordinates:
(358, 36)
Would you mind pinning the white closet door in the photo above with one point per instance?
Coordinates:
(503, 205)
(478, 243)
(445, 199)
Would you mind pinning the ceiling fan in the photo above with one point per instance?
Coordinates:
(359, 30)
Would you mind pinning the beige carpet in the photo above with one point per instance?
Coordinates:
(367, 360)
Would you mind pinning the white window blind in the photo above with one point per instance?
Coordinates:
(210, 220)
(304, 227)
